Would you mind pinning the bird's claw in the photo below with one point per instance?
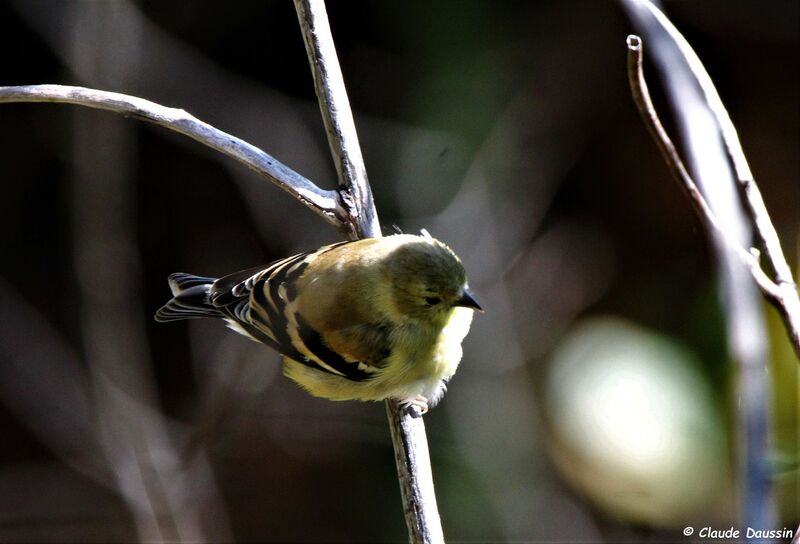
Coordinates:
(416, 406)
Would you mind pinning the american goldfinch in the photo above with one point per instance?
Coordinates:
(367, 320)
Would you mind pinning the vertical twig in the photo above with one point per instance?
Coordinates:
(414, 476)
(354, 188)
(408, 434)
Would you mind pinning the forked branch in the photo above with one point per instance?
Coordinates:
(782, 292)
(350, 208)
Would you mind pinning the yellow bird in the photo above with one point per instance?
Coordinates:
(367, 320)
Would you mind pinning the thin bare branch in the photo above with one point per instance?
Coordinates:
(415, 478)
(408, 433)
(338, 118)
(325, 203)
(776, 293)
(754, 203)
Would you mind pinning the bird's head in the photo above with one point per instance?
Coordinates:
(428, 279)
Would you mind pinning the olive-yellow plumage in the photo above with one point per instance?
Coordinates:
(367, 320)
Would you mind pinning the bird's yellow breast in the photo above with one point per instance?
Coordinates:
(432, 354)
(447, 351)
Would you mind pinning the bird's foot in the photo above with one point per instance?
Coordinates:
(416, 406)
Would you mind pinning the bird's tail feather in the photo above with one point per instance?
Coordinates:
(189, 300)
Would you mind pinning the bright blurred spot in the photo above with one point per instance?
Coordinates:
(633, 424)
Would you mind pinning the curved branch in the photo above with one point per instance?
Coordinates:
(324, 203)
(781, 294)
(753, 202)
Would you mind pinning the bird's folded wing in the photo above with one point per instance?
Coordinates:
(260, 301)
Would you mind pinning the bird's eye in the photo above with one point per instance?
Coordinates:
(432, 301)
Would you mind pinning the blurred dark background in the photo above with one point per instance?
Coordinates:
(595, 399)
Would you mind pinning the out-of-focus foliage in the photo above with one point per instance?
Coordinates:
(633, 424)
(507, 130)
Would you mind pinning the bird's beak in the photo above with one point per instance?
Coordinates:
(467, 300)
